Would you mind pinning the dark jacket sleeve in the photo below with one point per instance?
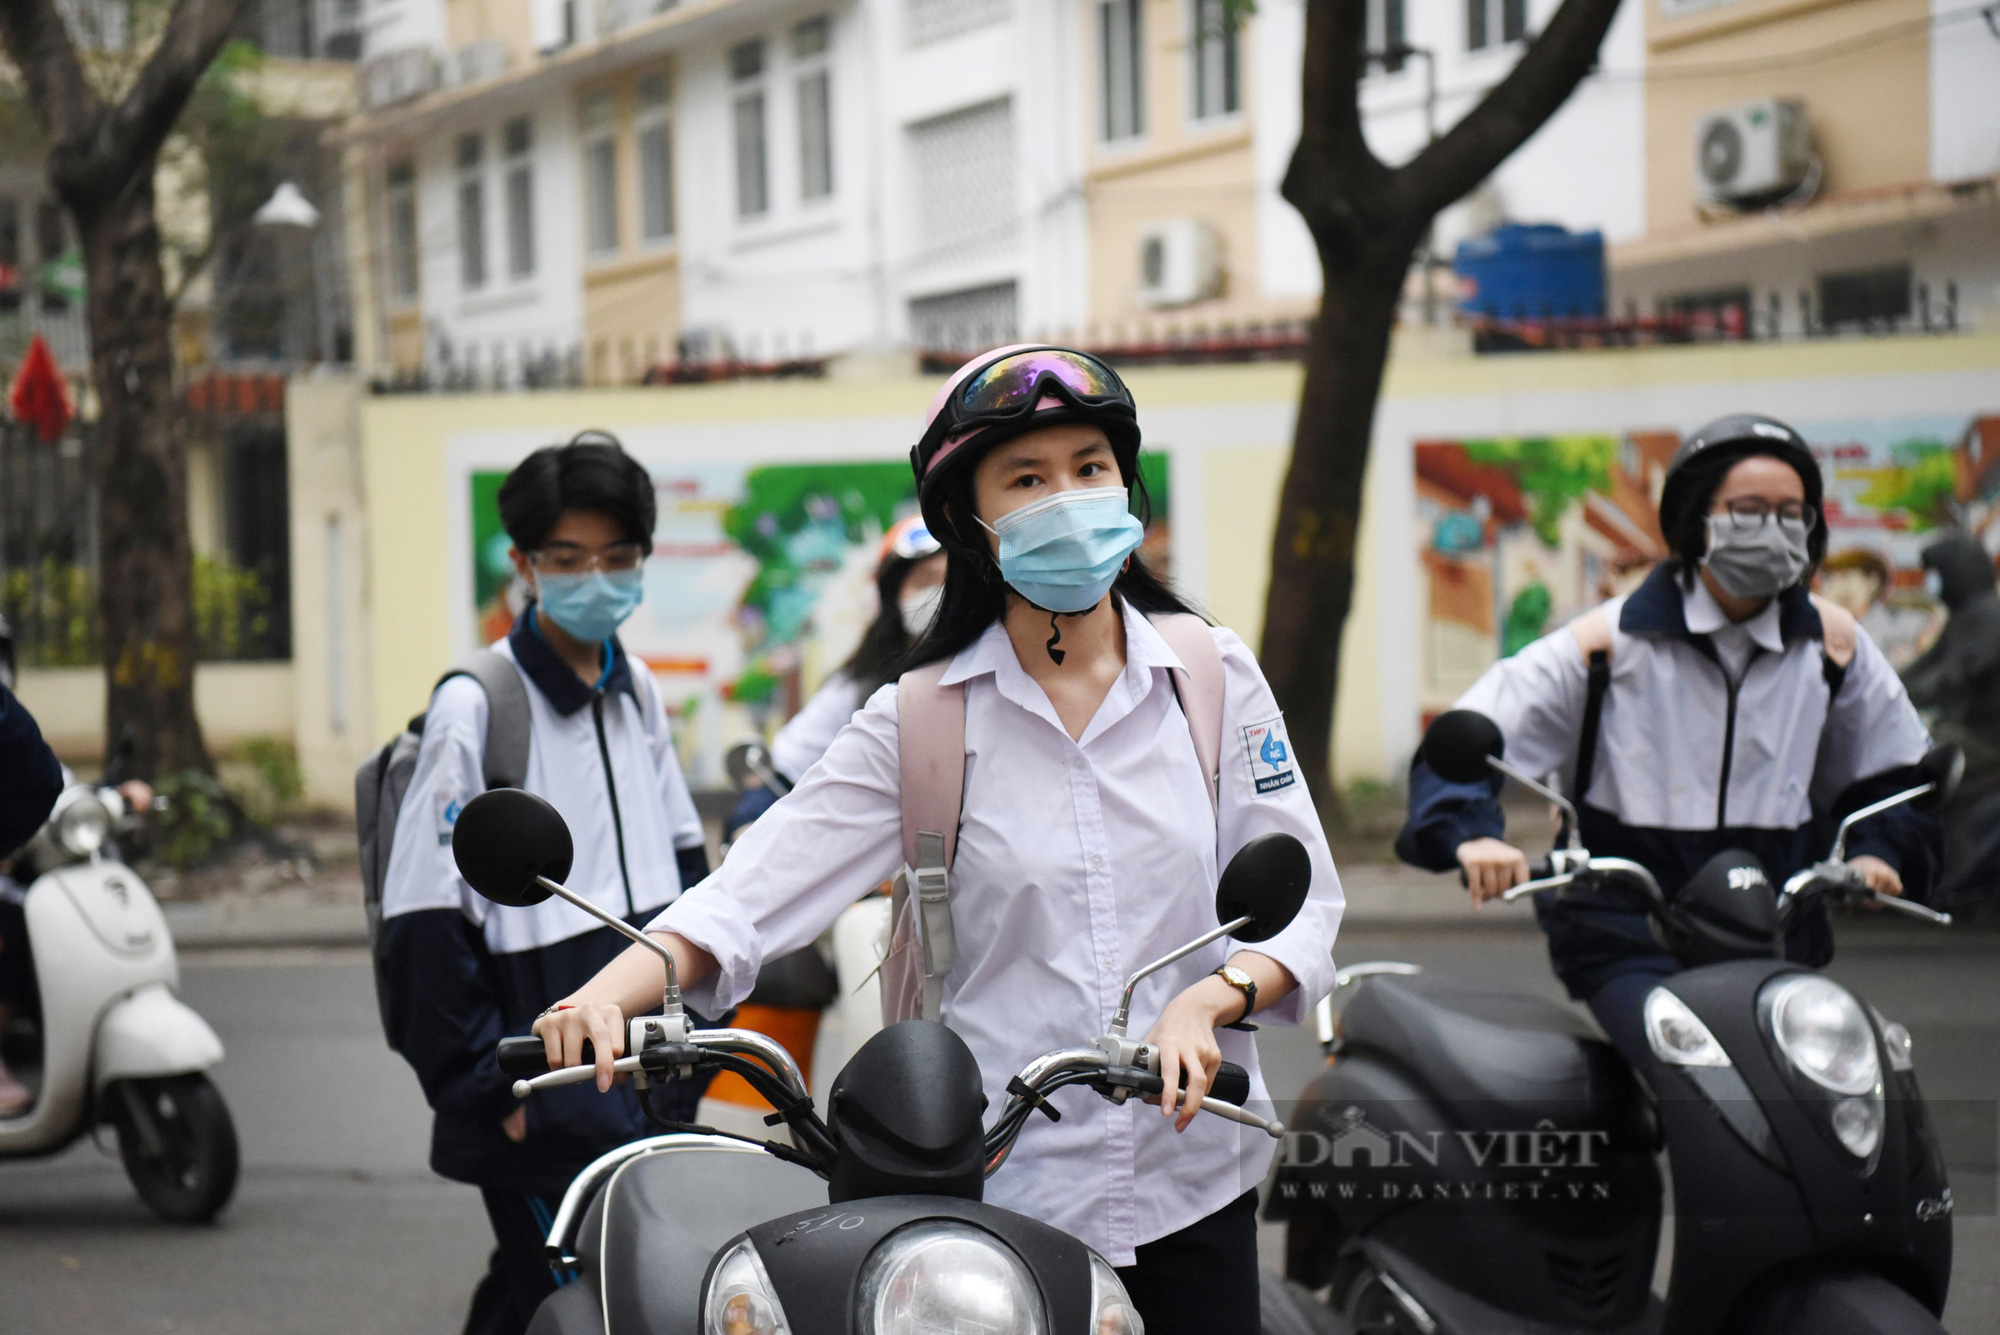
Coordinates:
(1908, 838)
(1444, 815)
(693, 864)
(30, 775)
(443, 1015)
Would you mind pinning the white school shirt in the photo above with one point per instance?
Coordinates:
(566, 767)
(1077, 864)
(1733, 640)
(802, 741)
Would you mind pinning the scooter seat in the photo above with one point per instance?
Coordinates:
(1483, 1046)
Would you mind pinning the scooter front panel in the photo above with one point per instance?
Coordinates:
(815, 1258)
(664, 1217)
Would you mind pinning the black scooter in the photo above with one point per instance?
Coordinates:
(870, 1222)
(1478, 1160)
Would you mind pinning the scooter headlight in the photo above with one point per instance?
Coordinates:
(740, 1299)
(1676, 1034)
(1824, 1033)
(81, 823)
(1111, 1310)
(940, 1277)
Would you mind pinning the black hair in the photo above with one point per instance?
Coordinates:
(592, 472)
(1687, 538)
(974, 594)
(885, 645)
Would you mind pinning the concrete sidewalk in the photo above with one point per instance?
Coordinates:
(327, 911)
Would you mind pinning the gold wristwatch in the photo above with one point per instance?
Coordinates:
(1244, 983)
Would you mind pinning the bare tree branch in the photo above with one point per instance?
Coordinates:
(195, 32)
(1333, 173)
(39, 43)
(1512, 110)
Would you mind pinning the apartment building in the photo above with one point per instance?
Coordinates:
(1816, 166)
(595, 188)
(1196, 119)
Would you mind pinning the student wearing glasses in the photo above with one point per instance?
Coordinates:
(1720, 705)
(462, 972)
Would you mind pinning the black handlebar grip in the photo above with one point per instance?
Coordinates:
(1541, 869)
(1231, 1084)
(527, 1056)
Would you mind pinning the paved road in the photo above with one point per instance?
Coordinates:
(340, 1227)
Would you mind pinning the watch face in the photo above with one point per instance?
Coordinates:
(1234, 976)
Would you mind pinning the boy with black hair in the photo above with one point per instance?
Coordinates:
(462, 972)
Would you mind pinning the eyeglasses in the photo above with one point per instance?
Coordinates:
(1749, 513)
(571, 558)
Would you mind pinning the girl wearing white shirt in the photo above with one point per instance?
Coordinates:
(1088, 844)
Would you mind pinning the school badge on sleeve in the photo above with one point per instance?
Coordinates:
(1268, 753)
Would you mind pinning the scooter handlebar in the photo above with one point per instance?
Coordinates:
(528, 1056)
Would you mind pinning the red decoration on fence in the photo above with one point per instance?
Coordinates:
(40, 397)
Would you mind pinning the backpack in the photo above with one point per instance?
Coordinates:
(384, 777)
(931, 740)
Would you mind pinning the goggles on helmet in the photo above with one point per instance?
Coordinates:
(1010, 390)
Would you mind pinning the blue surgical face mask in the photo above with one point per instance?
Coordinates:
(592, 605)
(1064, 552)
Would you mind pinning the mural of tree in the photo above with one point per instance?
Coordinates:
(1554, 472)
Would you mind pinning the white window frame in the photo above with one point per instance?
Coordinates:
(1121, 71)
(812, 89)
(1215, 56)
(517, 144)
(399, 195)
(598, 117)
(750, 101)
(1388, 26)
(469, 158)
(653, 125)
(1495, 24)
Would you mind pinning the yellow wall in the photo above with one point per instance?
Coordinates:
(631, 296)
(507, 21)
(1869, 107)
(235, 702)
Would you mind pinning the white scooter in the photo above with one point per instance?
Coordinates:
(113, 1043)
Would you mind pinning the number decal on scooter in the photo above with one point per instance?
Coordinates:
(819, 1223)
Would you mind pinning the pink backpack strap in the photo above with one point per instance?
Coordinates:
(1200, 687)
(930, 723)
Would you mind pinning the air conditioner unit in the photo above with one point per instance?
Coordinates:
(1751, 152)
(397, 76)
(1180, 262)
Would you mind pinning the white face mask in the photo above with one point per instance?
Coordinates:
(920, 609)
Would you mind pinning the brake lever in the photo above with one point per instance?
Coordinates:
(572, 1075)
(1915, 910)
(1530, 887)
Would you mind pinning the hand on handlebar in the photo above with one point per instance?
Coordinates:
(1490, 867)
(1185, 1037)
(1877, 875)
(564, 1034)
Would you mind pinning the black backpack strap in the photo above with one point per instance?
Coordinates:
(1598, 682)
(505, 764)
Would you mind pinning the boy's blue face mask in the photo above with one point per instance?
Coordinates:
(1064, 552)
(592, 605)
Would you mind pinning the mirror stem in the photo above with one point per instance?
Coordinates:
(1124, 1015)
(672, 1003)
(1839, 853)
(1563, 803)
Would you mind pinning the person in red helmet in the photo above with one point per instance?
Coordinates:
(1090, 833)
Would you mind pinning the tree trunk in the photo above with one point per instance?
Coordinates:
(1319, 510)
(145, 593)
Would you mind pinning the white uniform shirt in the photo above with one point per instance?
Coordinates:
(802, 741)
(1734, 641)
(1789, 750)
(1077, 864)
(566, 768)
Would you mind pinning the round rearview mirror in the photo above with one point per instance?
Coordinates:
(1942, 767)
(1458, 743)
(504, 839)
(746, 763)
(1266, 882)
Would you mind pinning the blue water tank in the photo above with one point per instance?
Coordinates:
(1531, 271)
